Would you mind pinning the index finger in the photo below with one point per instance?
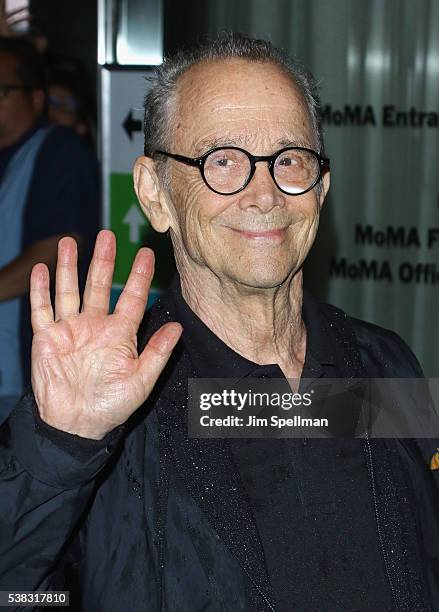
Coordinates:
(134, 297)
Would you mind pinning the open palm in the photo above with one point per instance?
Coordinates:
(87, 376)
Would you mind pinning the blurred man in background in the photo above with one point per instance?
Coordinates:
(48, 188)
(69, 102)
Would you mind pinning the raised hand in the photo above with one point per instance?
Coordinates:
(87, 376)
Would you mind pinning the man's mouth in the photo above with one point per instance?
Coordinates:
(274, 234)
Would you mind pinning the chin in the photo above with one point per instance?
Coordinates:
(257, 278)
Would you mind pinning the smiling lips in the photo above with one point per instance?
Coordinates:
(261, 235)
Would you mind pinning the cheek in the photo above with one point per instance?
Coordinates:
(195, 207)
(184, 193)
(191, 223)
(310, 211)
(309, 226)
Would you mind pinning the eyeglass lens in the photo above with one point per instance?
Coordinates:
(227, 170)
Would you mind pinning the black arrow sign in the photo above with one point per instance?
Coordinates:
(131, 125)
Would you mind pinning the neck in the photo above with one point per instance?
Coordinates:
(263, 325)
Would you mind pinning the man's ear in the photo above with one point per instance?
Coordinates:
(150, 195)
(326, 179)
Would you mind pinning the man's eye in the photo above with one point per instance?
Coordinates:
(223, 162)
(288, 161)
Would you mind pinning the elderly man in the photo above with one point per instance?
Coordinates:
(101, 485)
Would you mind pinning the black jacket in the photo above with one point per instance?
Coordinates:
(134, 523)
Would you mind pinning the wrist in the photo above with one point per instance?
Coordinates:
(69, 427)
(54, 457)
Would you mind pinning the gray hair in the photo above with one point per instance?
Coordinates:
(160, 99)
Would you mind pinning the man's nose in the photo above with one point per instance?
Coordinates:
(261, 192)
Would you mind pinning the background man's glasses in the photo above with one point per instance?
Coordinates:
(228, 170)
(5, 89)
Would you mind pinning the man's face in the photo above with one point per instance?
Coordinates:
(260, 236)
(62, 106)
(19, 109)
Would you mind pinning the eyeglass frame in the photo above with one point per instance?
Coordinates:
(8, 88)
(199, 163)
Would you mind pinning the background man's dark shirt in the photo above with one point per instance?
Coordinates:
(63, 198)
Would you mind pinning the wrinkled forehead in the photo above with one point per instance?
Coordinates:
(239, 102)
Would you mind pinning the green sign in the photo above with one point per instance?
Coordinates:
(133, 231)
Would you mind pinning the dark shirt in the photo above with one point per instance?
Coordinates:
(63, 192)
(63, 198)
(310, 498)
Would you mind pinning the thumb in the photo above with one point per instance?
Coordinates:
(156, 354)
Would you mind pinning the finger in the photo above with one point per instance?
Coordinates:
(156, 354)
(100, 274)
(133, 299)
(41, 307)
(67, 291)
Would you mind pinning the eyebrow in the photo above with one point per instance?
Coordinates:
(222, 141)
(294, 142)
(241, 141)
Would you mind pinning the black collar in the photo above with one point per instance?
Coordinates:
(212, 358)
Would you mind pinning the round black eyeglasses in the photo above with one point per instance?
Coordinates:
(228, 170)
